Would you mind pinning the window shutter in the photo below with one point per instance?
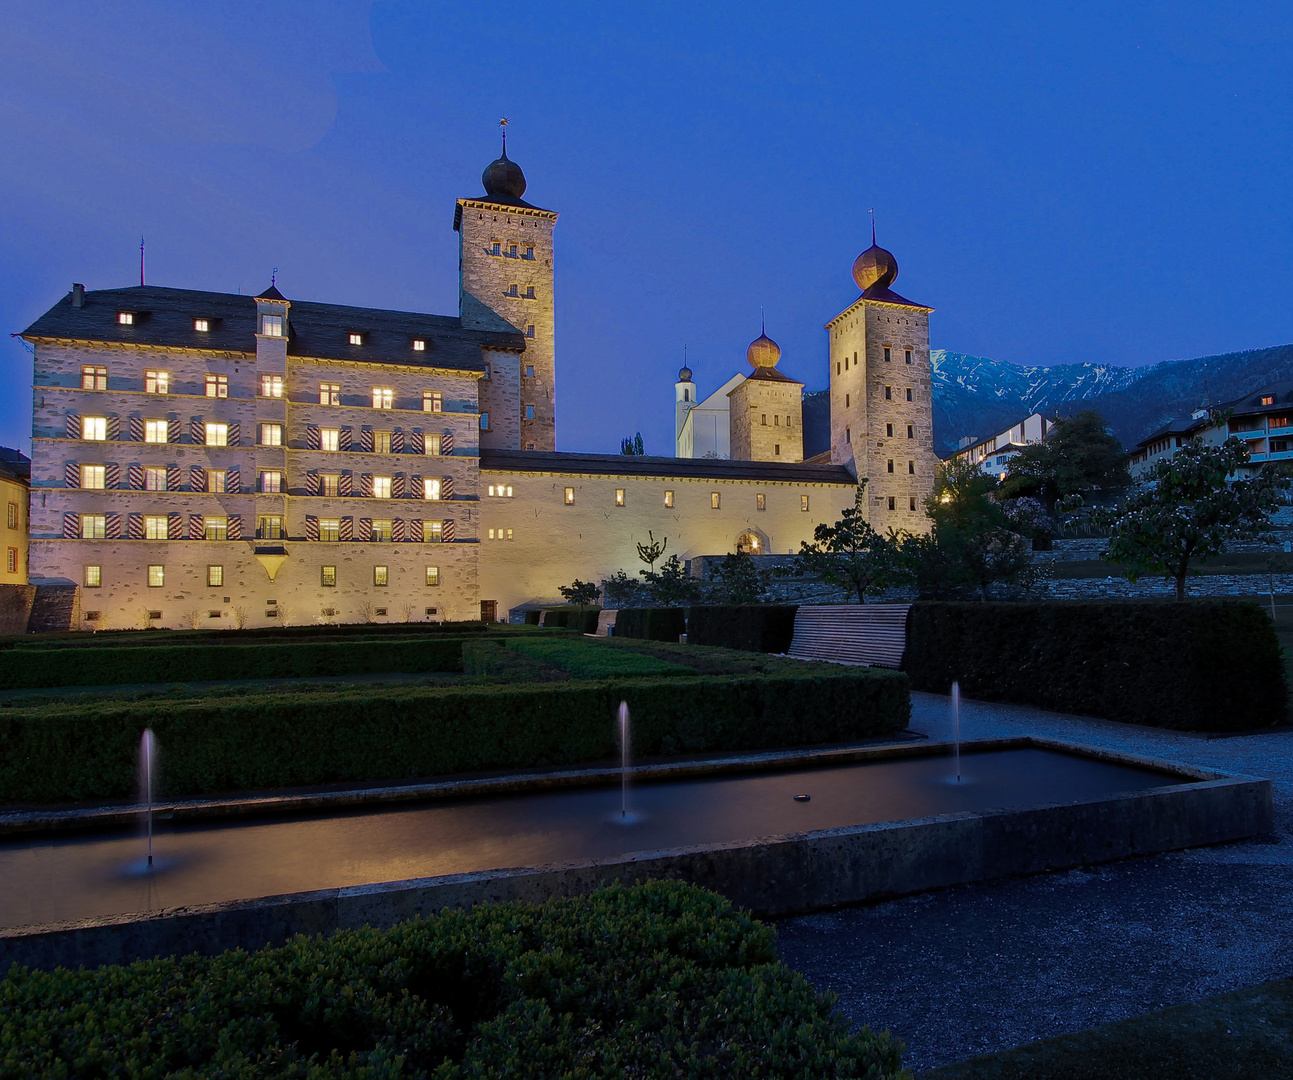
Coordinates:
(173, 478)
(417, 444)
(366, 485)
(134, 526)
(446, 443)
(346, 484)
(135, 477)
(312, 437)
(416, 488)
(343, 439)
(112, 475)
(233, 480)
(73, 426)
(397, 486)
(72, 475)
(71, 526)
(112, 526)
(311, 527)
(312, 482)
(197, 478)
(365, 528)
(136, 429)
(235, 527)
(397, 530)
(197, 431)
(114, 428)
(446, 487)
(449, 532)
(234, 435)
(197, 526)
(366, 440)
(174, 429)
(397, 441)
(347, 530)
(174, 526)
(415, 530)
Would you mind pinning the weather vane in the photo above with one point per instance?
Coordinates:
(273, 278)
(502, 124)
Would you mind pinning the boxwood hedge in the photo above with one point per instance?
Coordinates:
(754, 627)
(1200, 665)
(260, 740)
(659, 980)
(654, 624)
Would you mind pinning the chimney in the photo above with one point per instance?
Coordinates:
(78, 295)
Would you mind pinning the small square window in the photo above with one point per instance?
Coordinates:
(156, 527)
(433, 575)
(157, 431)
(92, 477)
(217, 386)
(271, 325)
(271, 386)
(271, 482)
(380, 531)
(202, 325)
(94, 526)
(714, 500)
(94, 428)
(217, 434)
(570, 496)
(154, 479)
(431, 445)
(328, 577)
(125, 318)
(430, 488)
(433, 532)
(619, 496)
(381, 487)
(803, 502)
(157, 382)
(93, 577)
(381, 575)
(419, 345)
(330, 438)
(215, 528)
(330, 529)
(156, 577)
(271, 434)
(216, 480)
(760, 501)
(668, 499)
(215, 576)
(383, 397)
(329, 393)
(356, 339)
(432, 401)
(269, 527)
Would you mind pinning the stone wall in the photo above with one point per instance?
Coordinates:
(15, 608)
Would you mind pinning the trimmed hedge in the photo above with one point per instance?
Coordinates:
(60, 753)
(753, 627)
(572, 618)
(594, 660)
(655, 981)
(1200, 665)
(197, 663)
(654, 624)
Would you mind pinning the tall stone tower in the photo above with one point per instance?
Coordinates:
(505, 274)
(767, 409)
(882, 424)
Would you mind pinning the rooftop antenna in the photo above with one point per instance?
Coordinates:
(502, 124)
(141, 260)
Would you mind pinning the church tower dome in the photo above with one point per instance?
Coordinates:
(503, 176)
(875, 266)
(763, 351)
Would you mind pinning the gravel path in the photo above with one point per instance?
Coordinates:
(978, 968)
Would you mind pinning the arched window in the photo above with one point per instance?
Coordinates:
(749, 544)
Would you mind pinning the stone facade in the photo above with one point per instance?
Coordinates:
(767, 419)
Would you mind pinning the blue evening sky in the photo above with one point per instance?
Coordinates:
(1062, 181)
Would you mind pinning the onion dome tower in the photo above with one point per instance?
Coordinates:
(763, 352)
(502, 176)
(765, 411)
(875, 267)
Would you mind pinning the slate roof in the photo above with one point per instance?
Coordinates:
(693, 468)
(888, 296)
(1251, 404)
(164, 317)
(1177, 427)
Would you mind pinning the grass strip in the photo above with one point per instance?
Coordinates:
(586, 659)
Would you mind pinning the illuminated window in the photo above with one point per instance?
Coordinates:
(381, 442)
(329, 438)
(156, 527)
(202, 325)
(381, 576)
(380, 531)
(329, 393)
(92, 477)
(217, 434)
(501, 491)
(433, 531)
(271, 482)
(619, 496)
(94, 428)
(11, 560)
(13, 515)
(154, 479)
(355, 339)
(803, 503)
(215, 528)
(218, 386)
(271, 434)
(484, 421)
(271, 325)
(156, 431)
(500, 534)
(271, 386)
(431, 445)
(215, 576)
(668, 499)
(419, 345)
(125, 318)
(93, 577)
(156, 579)
(328, 577)
(760, 501)
(94, 526)
(157, 382)
(432, 401)
(381, 487)
(330, 484)
(330, 529)
(714, 500)
(216, 479)
(383, 397)
(430, 488)
(433, 575)
(269, 527)
(570, 496)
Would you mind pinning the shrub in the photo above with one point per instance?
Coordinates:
(80, 751)
(656, 980)
(654, 624)
(594, 660)
(492, 660)
(1199, 665)
(192, 663)
(582, 620)
(756, 627)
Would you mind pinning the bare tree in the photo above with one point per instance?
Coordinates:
(191, 619)
(239, 616)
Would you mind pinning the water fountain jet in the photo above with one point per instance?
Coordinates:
(147, 753)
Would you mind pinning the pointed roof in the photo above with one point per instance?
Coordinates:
(272, 293)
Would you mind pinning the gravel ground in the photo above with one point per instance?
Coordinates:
(979, 968)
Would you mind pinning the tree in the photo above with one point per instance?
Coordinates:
(620, 590)
(580, 593)
(739, 580)
(650, 552)
(672, 585)
(633, 446)
(1189, 511)
(850, 553)
(1078, 456)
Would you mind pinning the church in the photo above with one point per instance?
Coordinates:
(212, 460)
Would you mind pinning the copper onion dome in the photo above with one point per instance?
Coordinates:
(875, 266)
(503, 177)
(763, 352)
(684, 374)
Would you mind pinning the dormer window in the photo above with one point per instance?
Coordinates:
(1268, 399)
(125, 318)
(202, 325)
(356, 339)
(271, 325)
(419, 345)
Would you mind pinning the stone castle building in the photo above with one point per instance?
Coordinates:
(206, 459)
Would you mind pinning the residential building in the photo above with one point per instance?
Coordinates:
(992, 455)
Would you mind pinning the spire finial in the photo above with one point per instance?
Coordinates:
(502, 126)
(873, 226)
(141, 260)
(763, 323)
(273, 278)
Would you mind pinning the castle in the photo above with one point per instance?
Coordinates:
(207, 459)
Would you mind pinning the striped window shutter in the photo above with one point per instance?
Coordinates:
(366, 440)
(174, 478)
(71, 526)
(312, 482)
(416, 490)
(233, 480)
(415, 530)
(416, 443)
(136, 429)
(346, 483)
(311, 527)
(72, 475)
(112, 476)
(449, 531)
(234, 435)
(197, 431)
(174, 526)
(174, 429)
(135, 477)
(397, 486)
(312, 437)
(397, 530)
(347, 530)
(446, 443)
(446, 488)
(134, 526)
(114, 428)
(365, 528)
(72, 425)
(235, 527)
(397, 441)
(343, 439)
(197, 527)
(113, 526)
(366, 485)
(197, 478)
